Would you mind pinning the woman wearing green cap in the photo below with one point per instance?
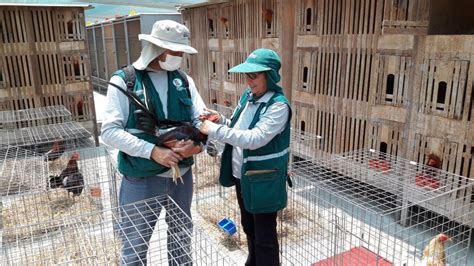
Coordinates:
(256, 154)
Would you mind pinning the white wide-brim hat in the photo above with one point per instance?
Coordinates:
(170, 35)
(165, 34)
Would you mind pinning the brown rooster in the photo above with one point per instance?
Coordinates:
(56, 151)
(70, 178)
(268, 16)
(224, 21)
(434, 253)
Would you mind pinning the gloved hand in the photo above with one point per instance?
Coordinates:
(144, 122)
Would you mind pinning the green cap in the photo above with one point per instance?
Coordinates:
(259, 60)
(262, 60)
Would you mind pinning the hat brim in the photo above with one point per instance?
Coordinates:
(248, 68)
(178, 47)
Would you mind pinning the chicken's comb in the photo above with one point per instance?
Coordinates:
(443, 237)
(75, 156)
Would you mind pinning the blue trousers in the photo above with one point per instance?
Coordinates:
(137, 221)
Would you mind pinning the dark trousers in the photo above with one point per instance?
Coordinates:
(261, 233)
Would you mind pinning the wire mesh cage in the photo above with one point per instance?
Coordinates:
(215, 202)
(99, 237)
(42, 139)
(11, 119)
(360, 212)
(21, 170)
(78, 182)
(306, 146)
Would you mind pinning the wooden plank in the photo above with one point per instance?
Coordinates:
(452, 89)
(16, 31)
(381, 81)
(8, 22)
(2, 31)
(21, 27)
(367, 76)
(463, 74)
(14, 69)
(405, 24)
(431, 85)
(38, 22)
(404, 61)
(362, 66)
(361, 143)
(25, 74)
(346, 16)
(49, 22)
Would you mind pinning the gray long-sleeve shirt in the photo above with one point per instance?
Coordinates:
(113, 131)
(271, 123)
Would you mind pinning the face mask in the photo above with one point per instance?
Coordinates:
(171, 63)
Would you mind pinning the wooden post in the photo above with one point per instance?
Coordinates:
(286, 43)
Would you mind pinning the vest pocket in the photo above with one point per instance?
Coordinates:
(264, 190)
(186, 104)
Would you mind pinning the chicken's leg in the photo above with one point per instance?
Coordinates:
(177, 175)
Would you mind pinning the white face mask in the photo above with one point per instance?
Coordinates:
(171, 63)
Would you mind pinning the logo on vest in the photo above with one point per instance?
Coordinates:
(177, 83)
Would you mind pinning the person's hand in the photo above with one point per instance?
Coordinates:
(165, 156)
(186, 148)
(211, 115)
(144, 122)
(205, 127)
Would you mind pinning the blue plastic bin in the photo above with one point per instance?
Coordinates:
(228, 226)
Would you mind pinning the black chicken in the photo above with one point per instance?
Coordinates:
(70, 178)
(184, 132)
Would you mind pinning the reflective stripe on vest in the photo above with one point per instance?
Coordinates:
(267, 156)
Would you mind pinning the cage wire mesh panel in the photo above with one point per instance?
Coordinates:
(42, 138)
(305, 146)
(21, 170)
(78, 182)
(360, 211)
(72, 133)
(215, 202)
(12, 119)
(95, 238)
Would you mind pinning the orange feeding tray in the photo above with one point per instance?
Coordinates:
(359, 256)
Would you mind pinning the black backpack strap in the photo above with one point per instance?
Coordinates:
(186, 82)
(130, 76)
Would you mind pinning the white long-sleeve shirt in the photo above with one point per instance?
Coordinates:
(113, 131)
(271, 123)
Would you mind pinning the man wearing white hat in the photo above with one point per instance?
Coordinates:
(169, 94)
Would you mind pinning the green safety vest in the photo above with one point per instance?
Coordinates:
(264, 170)
(179, 109)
